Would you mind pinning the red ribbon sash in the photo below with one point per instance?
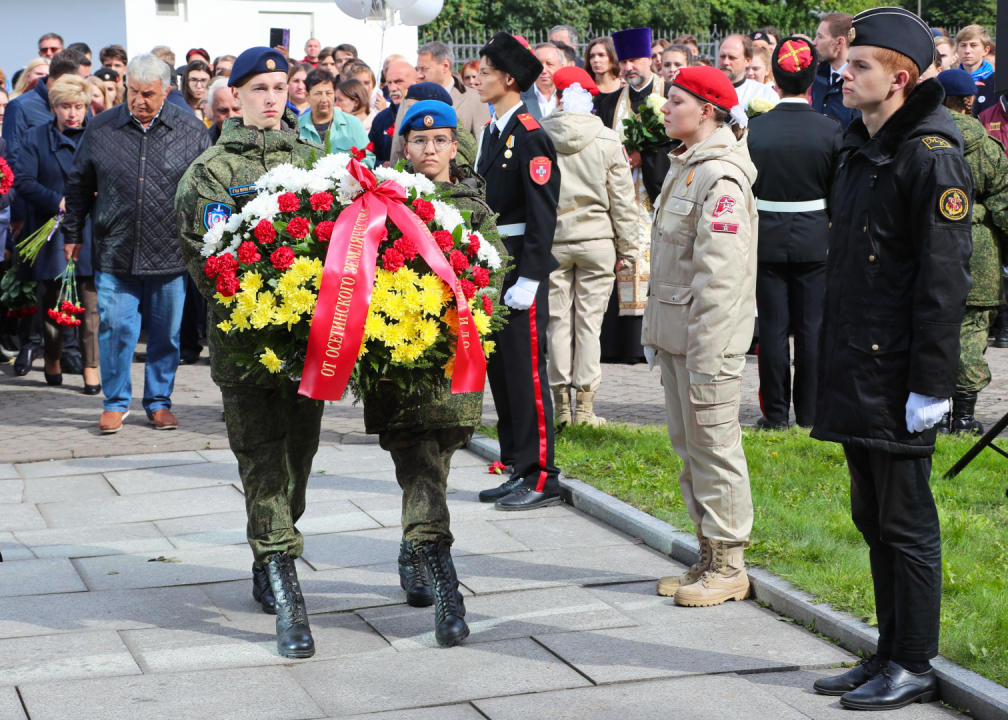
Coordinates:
(344, 298)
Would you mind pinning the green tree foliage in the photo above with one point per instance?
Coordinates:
(956, 13)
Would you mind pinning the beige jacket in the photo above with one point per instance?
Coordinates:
(702, 292)
(472, 116)
(596, 187)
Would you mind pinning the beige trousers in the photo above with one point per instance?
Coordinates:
(578, 296)
(703, 424)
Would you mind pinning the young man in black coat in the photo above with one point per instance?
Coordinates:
(518, 161)
(897, 278)
(795, 150)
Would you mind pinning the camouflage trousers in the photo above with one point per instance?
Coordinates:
(274, 433)
(422, 458)
(974, 375)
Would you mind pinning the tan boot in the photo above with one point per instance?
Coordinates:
(561, 408)
(667, 586)
(725, 580)
(584, 413)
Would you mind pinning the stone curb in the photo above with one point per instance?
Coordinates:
(961, 688)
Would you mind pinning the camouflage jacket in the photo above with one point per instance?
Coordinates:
(217, 184)
(390, 410)
(987, 161)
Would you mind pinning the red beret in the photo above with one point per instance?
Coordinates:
(567, 76)
(707, 83)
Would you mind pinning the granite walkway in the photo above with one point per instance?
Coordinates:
(125, 593)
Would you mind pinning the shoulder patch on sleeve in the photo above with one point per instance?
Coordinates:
(723, 227)
(239, 190)
(214, 213)
(528, 121)
(725, 204)
(933, 142)
(953, 204)
(540, 169)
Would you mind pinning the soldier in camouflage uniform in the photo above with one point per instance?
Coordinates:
(422, 437)
(986, 157)
(273, 431)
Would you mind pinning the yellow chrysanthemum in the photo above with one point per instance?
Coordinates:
(374, 327)
(266, 298)
(481, 321)
(395, 306)
(247, 301)
(383, 280)
(261, 316)
(271, 361)
(405, 279)
(239, 319)
(430, 281)
(431, 301)
(225, 301)
(488, 347)
(251, 281)
(224, 326)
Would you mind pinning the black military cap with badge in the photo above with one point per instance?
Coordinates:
(255, 61)
(894, 29)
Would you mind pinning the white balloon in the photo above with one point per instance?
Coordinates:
(399, 4)
(359, 9)
(422, 12)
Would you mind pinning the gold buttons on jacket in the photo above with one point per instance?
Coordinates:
(871, 258)
(874, 347)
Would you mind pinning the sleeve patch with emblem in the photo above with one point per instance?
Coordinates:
(725, 204)
(954, 204)
(933, 142)
(723, 227)
(540, 169)
(215, 213)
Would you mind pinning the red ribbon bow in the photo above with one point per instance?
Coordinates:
(344, 297)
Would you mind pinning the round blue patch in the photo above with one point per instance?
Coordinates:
(215, 213)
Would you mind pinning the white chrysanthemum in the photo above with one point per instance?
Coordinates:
(211, 239)
(408, 181)
(317, 182)
(263, 205)
(487, 252)
(333, 165)
(286, 177)
(348, 189)
(234, 222)
(447, 216)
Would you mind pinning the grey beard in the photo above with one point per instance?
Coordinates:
(637, 80)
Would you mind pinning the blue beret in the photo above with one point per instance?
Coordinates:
(895, 29)
(633, 43)
(254, 61)
(428, 91)
(957, 83)
(428, 114)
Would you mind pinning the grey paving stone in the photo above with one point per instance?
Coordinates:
(795, 689)
(185, 606)
(141, 508)
(39, 577)
(248, 643)
(20, 516)
(83, 466)
(66, 489)
(729, 697)
(333, 487)
(464, 506)
(509, 667)
(352, 459)
(11, 491)
(219, 456)
(194, 567)
(68, 656)
(441, 712)
(501, 617)
(8, 472)
(237, 694)
(173, 477)
(336, 516)
(11, 549)
(10, 705)
(568, 532)
(97, 540)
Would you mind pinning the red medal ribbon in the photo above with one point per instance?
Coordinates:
(344, 298)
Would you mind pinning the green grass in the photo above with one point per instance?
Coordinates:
(802, 529)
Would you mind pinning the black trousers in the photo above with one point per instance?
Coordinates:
(892, 506)
(520, 387)
(789, 296)
(193, 315)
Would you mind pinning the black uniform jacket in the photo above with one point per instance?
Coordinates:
(794, 148)
(897, 276)
(512, 191)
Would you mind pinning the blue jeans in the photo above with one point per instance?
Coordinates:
(122, 300)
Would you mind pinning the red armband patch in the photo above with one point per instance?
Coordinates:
(528, 121)
(723, 227)
(540, 169)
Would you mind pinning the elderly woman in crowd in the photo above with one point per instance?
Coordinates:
(195, 81)
(40, 177)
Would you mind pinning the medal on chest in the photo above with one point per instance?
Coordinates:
(509, 145)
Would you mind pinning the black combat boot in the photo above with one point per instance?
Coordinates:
(413, 576)
(262, 593)
(963, 422)
(449, 609)
(945, 424)
(294, 639)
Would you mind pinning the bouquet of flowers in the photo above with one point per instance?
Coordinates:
(6, 177)
(329, 277)
(758, 106)
(29, 248)
(17, 295)
(67, 304)
(646, 132)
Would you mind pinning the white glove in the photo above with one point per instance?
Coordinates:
(650, 354)
(700, 379)
(922, 412)
(522, 294)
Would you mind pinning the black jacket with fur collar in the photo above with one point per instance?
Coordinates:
(897, 276)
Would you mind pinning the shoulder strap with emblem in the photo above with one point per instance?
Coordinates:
(528, 121)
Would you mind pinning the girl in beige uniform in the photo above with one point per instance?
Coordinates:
(698, 324)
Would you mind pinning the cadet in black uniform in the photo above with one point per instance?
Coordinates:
(518, 161)
(795, 150)
(897, 277)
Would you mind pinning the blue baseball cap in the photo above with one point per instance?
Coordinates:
(428, 114)
(257, 60)
(957, 83)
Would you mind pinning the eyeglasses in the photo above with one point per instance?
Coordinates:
(420, 144)
(198, 81)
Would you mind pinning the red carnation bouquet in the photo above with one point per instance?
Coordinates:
(6, 177)
(67, 306)
(17, 295)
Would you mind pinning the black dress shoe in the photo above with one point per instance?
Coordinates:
(189, 357)
(71, 364)
(25, 359)
(294, 638)
(92, 389)
(525, 498)
(850, 680)
(56, 379)
(413, 576)
(1001, 339)
(262, 592)
(764, 424)
(450, 627)
(894, 688)
(503, 490)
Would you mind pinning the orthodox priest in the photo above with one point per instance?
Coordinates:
(621, 328)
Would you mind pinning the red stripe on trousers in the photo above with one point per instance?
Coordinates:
(540, 412)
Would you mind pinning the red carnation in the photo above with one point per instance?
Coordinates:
(423, 209)
(321, 201)
(210, 267)
(289, 202)
(358, 154)
(265, 232)
(227, 284)
(458, 261)
(67, 307)
(369, 147)
(282, 258)
(481, 276)
(407, 247)
(468, 289)
(248, 254)
(54, 315)
(6, 177)
(444, 240)
(226, 263)
(298, 227)
(487, 304)
(392, 259)
(474, 245)
(391, 131)
(323, 231)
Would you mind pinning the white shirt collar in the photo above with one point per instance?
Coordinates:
(545, 106)
(801, 100)
(503, 119)
(834, 73)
